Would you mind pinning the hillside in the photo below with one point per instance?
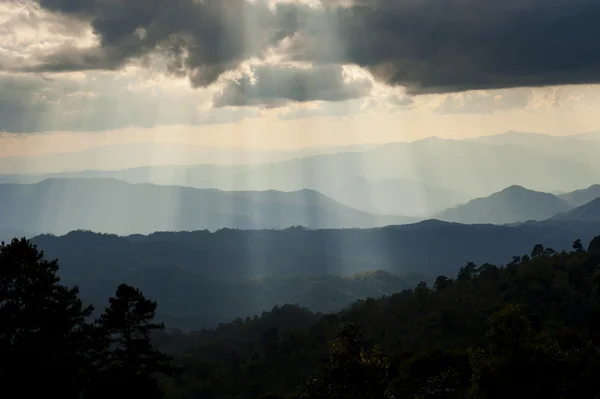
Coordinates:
(526, 330)
(586, 212)
(232, 273)
(581, 197)
(191, 302)
(396, 196)
(524, 139)
(511, 205)
(428, 248)
(108, 205)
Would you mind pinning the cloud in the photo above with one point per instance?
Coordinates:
(277, 85)
(438, 46)
(100, 101)
(320, 110)
(427, 46)
(199, 39)
(482, 101)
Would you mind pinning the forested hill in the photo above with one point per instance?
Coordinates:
(527, 330)
(202, 278)
(430, 248)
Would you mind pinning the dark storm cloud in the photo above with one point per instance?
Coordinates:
(429, 46)
(200, 39)
(278, 85)
(456, 45)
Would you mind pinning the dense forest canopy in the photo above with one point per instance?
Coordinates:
(527, 329)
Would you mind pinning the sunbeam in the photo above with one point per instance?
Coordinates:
(325, 198)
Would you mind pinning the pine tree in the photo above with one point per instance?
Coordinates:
(128, 364)
(43, 331)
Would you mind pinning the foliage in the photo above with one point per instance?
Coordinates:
(201, 278)
(527, 329)
(350, 372)
(48, 346)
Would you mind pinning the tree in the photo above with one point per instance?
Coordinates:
(467, 272)
(537, 250)
(596, 281)
(269, 341)
(445, 385)
(549, 251)
(128, 364)
(270, 395)
(517, 360)
(421, 291)
(594, 247)
(577, 246)
(350, 372)
(43, 331)
(441, 282)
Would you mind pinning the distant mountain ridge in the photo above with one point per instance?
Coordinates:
(511, 205)
(396, 196)
(109, 205)
(135, 154)
(470, 168)
(581, 197)
(586, 212)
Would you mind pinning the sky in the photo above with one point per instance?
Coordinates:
(75, 74)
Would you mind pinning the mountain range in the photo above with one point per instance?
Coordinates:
(113, 206)
(446, 172)
(581, 197)
(201, 278)
(134, 154)
(586, 212)
(511, 205)
(375, 219)
(396, 196)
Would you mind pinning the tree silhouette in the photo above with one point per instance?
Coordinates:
(594, 247)
(441, 282)
(517, 360)
(350, 371)
(577, 246)
(43, 331)
(467, 272)
(538, 250)
(128, 364)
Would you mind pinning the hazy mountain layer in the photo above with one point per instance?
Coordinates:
(417, 178)
(107, 205)
(511, 205)
(470, 168)
(396, 196)
(581, 197)
(585, 212)
(130, 155)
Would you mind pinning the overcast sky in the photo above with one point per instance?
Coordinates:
(285, 74)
